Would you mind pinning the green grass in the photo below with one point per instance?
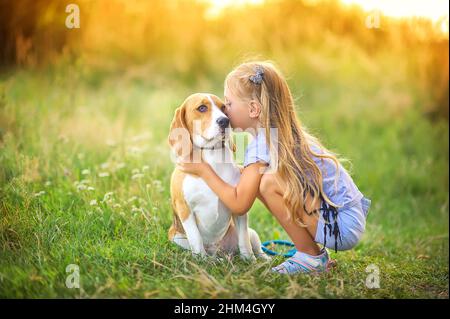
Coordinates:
(54, 127)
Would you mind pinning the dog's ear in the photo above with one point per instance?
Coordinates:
(179, 136)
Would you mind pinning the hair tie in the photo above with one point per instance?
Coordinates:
(258, 77)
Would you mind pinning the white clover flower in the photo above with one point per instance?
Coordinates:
(85, 172)
(103, 174)
(132, 199)
(90, 188)
(104, 165)
(120, 165)
(81, 187)
(137, 176)
(39, 194)
(93, 202)
(108, 196)
(135, 209)
(157, 185)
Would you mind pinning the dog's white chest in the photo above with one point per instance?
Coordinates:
(212, 216)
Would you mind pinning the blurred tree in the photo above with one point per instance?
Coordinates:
(31, 31)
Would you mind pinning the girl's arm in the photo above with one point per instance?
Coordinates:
(238, 199)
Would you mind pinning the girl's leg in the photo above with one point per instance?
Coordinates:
(271, 192)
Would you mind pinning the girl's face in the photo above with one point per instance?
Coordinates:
(237, 111)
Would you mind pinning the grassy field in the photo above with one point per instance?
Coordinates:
(84, 180)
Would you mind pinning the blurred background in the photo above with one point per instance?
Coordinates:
(391, 56)
(85, 113)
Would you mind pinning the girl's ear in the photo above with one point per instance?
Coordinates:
(254, 109)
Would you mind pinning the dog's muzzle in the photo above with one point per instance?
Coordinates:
(223, 122)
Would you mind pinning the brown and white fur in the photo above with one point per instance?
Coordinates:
(201, 222)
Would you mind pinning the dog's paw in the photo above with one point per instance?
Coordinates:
(248, 257)
(264, 257)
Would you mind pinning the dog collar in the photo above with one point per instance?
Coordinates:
(215, 147)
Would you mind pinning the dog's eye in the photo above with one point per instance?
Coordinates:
(222, 108)
(202, 108)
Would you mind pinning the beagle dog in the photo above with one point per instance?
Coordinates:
(201, 222)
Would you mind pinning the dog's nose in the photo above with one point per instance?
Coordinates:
(223, 122)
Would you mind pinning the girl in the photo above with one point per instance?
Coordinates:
(310, 193)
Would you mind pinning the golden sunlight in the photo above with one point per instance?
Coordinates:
(217, 6)
(435, 10)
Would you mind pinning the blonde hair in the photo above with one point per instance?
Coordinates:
(295, 164)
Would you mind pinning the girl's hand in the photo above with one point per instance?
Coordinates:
(193, 168)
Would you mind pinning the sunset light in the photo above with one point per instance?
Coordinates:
(435, 10)
(432, 9)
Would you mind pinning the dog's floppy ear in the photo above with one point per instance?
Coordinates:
(179, 136)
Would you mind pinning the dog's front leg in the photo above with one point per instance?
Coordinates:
(194, 236)
(245, 247)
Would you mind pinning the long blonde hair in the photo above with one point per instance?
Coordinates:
(295, 164)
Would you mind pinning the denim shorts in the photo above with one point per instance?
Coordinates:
(351, 220)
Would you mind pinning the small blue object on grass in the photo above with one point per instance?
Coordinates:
(268, 251)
